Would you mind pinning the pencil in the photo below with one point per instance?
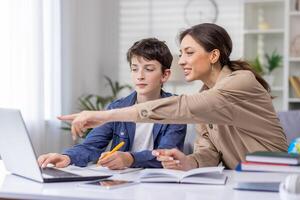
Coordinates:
(116, 148)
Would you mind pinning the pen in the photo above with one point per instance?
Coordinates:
(116, 148)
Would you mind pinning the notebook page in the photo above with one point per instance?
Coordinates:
(162, 172)
(106, 170)
(203, 170)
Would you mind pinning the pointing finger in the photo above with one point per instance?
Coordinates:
(67, 117)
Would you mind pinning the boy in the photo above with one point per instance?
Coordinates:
(150, 61)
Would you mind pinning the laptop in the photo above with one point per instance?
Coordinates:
(19, 157)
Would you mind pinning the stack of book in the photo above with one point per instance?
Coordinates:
(271, 162)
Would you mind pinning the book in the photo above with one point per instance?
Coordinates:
(204, 175)
(274, 157)
(257, 186)
(295, 83)
(268, 167)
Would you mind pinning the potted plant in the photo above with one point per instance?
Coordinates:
(273, 61)
(98, 102)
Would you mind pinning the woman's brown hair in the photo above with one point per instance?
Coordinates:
(210, 37)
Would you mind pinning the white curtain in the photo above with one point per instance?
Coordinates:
(30, 62)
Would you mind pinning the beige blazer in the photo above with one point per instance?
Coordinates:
(233, 118)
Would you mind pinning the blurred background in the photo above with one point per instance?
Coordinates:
(63, 56)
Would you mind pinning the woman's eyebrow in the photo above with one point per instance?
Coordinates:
(185, 48)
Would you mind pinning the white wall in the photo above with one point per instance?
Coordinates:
(89, 51)
(89, 48)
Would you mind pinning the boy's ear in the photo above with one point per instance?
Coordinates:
(165, 75)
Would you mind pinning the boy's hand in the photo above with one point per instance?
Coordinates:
(58, 160)
(117, 160)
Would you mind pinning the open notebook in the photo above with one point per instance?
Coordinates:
(96, 170)
(109, 171)
(204, 175)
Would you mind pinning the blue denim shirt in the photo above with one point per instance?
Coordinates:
(165, 136)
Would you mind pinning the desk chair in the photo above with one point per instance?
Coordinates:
(290, 121)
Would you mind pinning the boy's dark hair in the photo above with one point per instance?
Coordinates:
(151, 49)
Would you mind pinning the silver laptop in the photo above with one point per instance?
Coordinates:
(18, 154)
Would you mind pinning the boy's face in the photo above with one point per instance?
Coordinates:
(147, 75)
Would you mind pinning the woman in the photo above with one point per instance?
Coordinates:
(150, 61)
(233, 111)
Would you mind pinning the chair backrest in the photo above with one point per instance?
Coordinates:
(290, 121)
(188, 147)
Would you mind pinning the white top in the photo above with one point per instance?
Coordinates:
(143, 138)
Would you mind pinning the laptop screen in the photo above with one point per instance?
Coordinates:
(15, 146)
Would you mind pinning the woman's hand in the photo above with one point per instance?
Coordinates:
(58, 160)
(174, 159)
(117, 160)
(91, 119)
(84, 120)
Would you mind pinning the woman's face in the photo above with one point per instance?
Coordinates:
(194, 60)
(147, 75)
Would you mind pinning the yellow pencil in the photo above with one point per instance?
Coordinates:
(116, 148)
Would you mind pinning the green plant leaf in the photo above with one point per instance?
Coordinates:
(116, 88)
(83, 104)
(257, 66)
(274, 61)
(67, 126)
(111, 84)
(101, 102)
(88, 100)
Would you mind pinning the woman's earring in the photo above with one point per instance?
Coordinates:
(212, 66)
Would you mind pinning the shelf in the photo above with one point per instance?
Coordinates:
(294, 59)
(270, 31)
(294, 100)
(276, 89)
(295, 13)
(276, 16)
(262, 2)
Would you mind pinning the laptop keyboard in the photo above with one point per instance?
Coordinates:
(57, 173)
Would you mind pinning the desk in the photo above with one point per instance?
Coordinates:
(12, 186)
